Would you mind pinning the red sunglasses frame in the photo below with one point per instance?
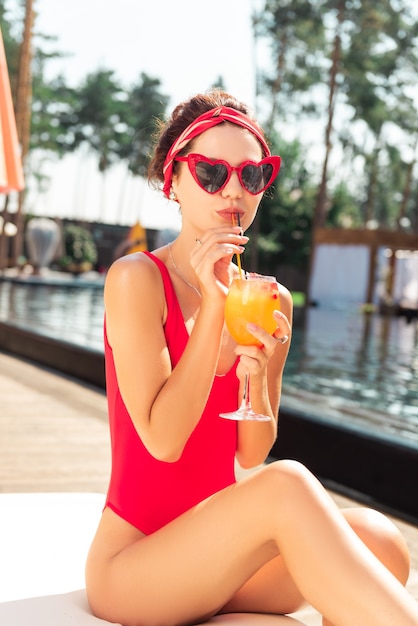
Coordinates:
(193, 158)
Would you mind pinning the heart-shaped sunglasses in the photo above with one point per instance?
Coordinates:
(213, 174)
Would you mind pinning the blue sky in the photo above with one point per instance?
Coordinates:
(185, 43)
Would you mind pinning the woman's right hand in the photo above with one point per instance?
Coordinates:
(211, 258)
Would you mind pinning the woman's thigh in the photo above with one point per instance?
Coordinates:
(191, 568)
(270, 590)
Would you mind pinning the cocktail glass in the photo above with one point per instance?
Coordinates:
(252, 298)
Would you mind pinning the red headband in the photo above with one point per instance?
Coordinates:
(202, 123)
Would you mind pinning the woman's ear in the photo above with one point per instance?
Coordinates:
(173, 188)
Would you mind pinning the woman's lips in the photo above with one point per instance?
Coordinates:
(227, 214)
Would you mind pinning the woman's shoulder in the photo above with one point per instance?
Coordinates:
(134, 264)
(137, 270)
(134, 297)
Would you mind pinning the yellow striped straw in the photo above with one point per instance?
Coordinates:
(237, 222)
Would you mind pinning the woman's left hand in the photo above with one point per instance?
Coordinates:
(254, 359)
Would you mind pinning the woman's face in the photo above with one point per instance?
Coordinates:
(203, 210)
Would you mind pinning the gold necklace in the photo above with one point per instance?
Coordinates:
(180, 275)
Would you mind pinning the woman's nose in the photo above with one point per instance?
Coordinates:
(233, 188)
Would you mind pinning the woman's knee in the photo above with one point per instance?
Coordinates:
(293, 476)
(290, 486)
(288, 470)
(383, 538)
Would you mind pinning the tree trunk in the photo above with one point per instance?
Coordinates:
(406, 193)
(277, 84)
(371, 194)
(23, 114)
(3, 239)
(276, 88)
(321, 200)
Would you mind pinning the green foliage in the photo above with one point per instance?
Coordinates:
(285, 215)
(372, 47)
(295, 32)
(298, 298)
(51, 102)
(98, 118)
(79, 246)
(11, 44)
(344, 211)
(115, 122)
(145, 105)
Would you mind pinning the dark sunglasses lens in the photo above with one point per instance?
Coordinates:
(211, 177)
(257, 177)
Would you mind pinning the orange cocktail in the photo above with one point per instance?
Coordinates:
(251, 300)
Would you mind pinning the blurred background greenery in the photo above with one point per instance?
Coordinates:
(349, 67)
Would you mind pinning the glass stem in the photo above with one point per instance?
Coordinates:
(246, 403)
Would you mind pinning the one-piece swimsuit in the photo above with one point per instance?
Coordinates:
(147, 492)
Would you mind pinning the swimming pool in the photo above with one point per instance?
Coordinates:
(343, 366)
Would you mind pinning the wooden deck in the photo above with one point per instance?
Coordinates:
(54, 438)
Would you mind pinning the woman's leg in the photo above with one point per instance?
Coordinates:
(192, 567)
(272, 587)
(383, 538)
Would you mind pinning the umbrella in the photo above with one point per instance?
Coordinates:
(11, 172)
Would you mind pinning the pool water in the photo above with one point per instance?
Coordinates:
(343, 365)
(67, 312)
(362, 369)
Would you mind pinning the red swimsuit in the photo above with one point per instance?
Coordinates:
(149, 493)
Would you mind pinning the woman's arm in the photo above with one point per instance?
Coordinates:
(164, 404)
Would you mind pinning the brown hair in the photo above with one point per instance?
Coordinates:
(183, 115)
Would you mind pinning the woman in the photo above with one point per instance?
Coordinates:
(179, 539)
